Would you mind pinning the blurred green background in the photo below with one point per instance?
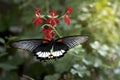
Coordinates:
(98, 59)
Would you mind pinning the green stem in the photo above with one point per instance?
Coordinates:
(52, 28)
(25, 76)
(57, 32)
(61, 17)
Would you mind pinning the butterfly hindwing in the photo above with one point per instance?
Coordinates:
(59, 49)
(52, 50)
(43, 50)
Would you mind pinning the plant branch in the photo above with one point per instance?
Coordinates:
(52, 28)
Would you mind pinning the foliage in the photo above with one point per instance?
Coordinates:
(98, 59)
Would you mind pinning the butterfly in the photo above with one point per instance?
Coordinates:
(47, 50)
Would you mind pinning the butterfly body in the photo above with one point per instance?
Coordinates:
(50, 50)
(53, 49)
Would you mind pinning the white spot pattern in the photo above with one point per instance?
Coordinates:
(47, 54)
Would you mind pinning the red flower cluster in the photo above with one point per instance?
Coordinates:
(48, 34)
(52, 20)
(38, 17)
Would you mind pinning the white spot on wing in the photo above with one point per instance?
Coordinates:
(54, 53)
(46, 54)
(58, 53)
(62, 51)
(41, 54)
(38, 53)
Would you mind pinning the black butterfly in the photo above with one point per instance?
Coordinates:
(45, 50)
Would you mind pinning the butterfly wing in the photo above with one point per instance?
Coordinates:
(72, 41)
(29, 44)
(62, 45)
(42, 52)
(59, 49)
(44, 49)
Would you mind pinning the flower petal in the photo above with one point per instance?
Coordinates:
(67, 19)
(37, 20)
(52, 21)
(69, 10)
(48, 20)
(53, 13)
(37, 11)
(48, 34)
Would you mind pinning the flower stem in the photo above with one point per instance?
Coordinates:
(61, 17)
(27, 77)
(52, 28)
(46, 25)
(57, 32)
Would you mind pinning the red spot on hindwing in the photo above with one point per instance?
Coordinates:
(44, 42)
(60, 40)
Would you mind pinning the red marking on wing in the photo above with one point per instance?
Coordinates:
(45, 42)
(60, 40)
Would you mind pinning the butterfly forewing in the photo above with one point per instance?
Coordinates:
(29, 45)
(72, 41)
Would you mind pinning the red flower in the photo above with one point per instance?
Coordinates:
(37, 11)
(38, 18)
(66, 17)
(52, 18)
(48, 34)
(69, 10)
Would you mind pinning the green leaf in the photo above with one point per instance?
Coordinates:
(16, 60)
(3, 54)
(11, 38)
(79, 70)
(64, 64)
(2, 40)
(7, 67)
(11, 75)
(35, 69)
(52, 77)
(1, 78)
